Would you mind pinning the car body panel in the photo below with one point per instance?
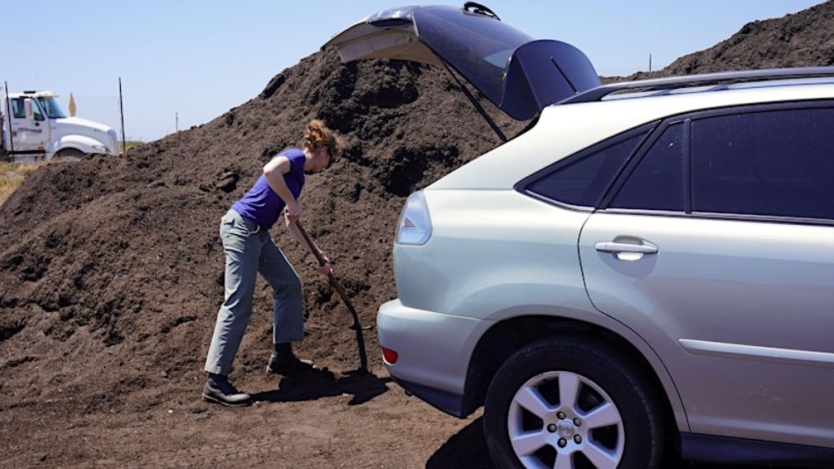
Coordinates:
(740, 312)
(514, 257)
(405, 330)
(492, 260)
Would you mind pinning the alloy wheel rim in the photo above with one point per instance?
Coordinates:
(563, 420)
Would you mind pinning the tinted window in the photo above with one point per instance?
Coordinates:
(18, 111)
(776, 163)
(36, 111)
(583, 180)
(477, 46)
(657, 182)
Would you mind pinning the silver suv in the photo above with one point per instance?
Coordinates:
(636, 271)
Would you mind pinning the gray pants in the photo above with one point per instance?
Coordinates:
(249, 250)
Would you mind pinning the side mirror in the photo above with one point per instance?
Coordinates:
(30, 113)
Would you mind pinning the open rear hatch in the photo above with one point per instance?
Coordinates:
(518, 74)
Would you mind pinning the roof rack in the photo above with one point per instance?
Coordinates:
(706, 79)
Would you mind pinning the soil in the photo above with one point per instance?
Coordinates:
(111, 270)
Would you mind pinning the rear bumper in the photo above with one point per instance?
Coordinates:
(434, 352)
(450, 403)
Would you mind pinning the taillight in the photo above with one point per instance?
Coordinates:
(414, 226)
(389, 356)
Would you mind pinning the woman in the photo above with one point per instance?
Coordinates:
(244, 231)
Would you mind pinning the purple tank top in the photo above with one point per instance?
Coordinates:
(261, 204)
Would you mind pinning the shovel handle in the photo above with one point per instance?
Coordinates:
(356, 326)
(312, 246)
(333, 282)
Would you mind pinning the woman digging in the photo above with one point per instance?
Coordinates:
(249, 249)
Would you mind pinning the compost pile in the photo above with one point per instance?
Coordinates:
(803, 39)
(111, 268)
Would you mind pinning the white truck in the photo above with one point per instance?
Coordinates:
(35, 127)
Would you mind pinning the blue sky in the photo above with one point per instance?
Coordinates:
(185, 62)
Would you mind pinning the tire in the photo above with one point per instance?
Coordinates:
(67, 154)
(614, 405)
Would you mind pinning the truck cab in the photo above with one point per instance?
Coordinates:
(36, 126)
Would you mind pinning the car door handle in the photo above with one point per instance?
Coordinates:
(621, 248)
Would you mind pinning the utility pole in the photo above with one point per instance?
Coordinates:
(122, 112)
(9, 118)
(650, 63)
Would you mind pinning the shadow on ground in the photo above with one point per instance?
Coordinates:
(467, 450)
(362, 385)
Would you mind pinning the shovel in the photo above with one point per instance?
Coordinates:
(356, 326)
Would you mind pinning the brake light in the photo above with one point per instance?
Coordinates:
(389, 356)
(414, 226)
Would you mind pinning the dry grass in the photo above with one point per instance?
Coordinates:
(129, 144)
(12, 175)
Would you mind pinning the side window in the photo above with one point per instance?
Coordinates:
(582, 181)
(18, 111)
(36, 110)
(657, 181)
(770, 163)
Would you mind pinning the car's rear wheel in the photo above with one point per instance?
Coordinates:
(572, 403)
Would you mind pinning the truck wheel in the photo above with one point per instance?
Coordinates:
(67, 154)
(572, 403)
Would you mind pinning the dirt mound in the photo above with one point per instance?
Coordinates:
(802, 39)
(126, 253)
(110, 268)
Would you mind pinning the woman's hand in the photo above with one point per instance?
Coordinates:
(326, 269)
(292, 212)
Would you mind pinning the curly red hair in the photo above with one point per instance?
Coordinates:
(317, 135)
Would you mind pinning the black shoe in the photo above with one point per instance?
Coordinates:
(284, 362)
(219, 390)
